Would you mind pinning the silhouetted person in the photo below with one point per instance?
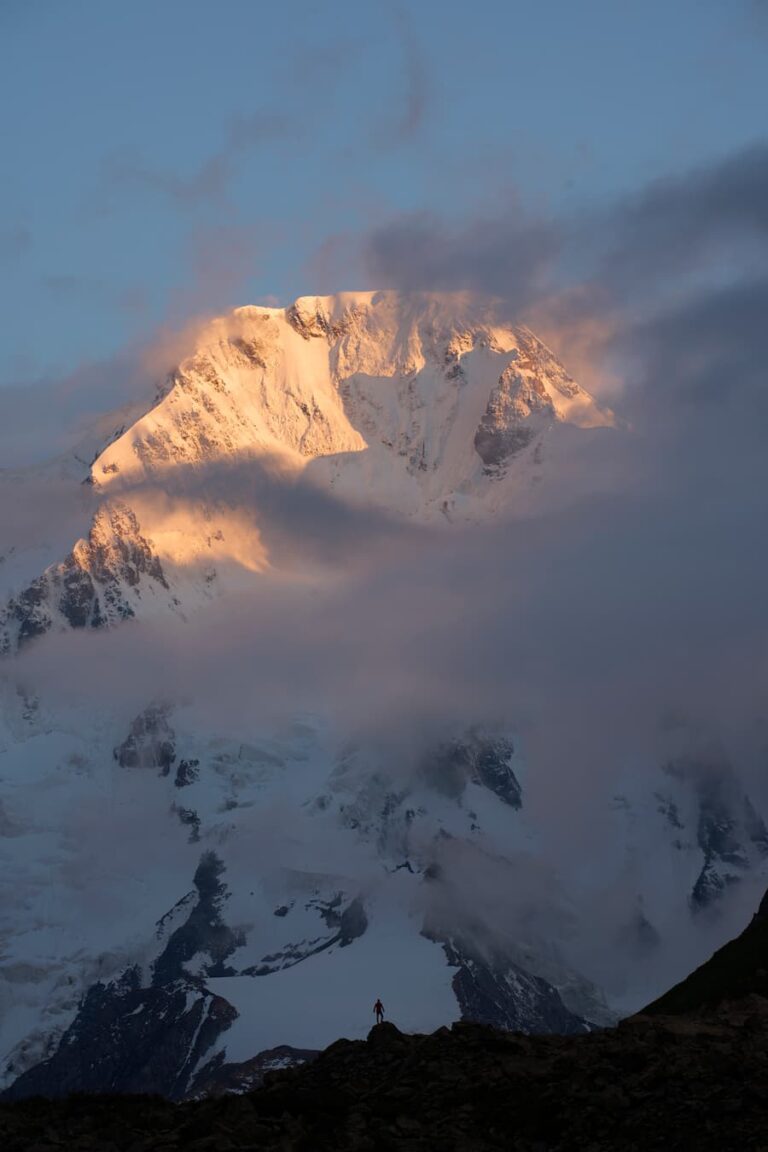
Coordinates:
(379, 1010)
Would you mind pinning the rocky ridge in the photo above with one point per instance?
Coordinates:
(688, 1072)
(669, 1083)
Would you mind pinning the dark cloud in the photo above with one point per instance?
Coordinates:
(679, 225)
(662, 290)
(710, 351)
(507, 256)
(674, 227)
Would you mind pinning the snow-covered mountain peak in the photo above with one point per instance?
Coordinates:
(411, 402)
(426, 407)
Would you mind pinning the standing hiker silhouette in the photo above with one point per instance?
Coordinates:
(379, 1010)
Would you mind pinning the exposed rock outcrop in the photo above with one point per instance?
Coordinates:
(98, 584)
(150, 742)
(493, 990)
(139, 1035)
(126, 1038)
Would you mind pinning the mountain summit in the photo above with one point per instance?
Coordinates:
(418, 403)
(423, 407)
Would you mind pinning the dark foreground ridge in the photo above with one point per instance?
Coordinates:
(738, 969)
(688, 1073)
(653, 1083)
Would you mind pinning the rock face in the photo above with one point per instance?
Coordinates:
(698, 820)
(126, 1038)
(730, 833)
(98, 584)
(150, 743)
(217, 1078)
(203, 935)
(493, 990)
(523, 403)
(139, 1035)
(478, 758)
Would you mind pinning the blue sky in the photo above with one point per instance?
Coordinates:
(161, 159)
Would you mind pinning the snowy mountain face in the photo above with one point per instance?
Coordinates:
(188, 904)
(402, 404)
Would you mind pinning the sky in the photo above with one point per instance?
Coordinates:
(166, 160)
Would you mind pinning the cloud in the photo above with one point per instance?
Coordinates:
(674, 226)
(74, 290)
(16, 13)
(79, 411)
(683, 225)
(686, 255)
(303, 525)
(14, 243)
(219, 260)
(209, 182)
(505, 256)
(415, 81)
(40, 518)
(758, 15)
(64, 285)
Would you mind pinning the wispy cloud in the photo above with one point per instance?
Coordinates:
(18, 12)
(14, 243)
(209, 182)
(75, 290)
(758, 11)
(412, 99)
